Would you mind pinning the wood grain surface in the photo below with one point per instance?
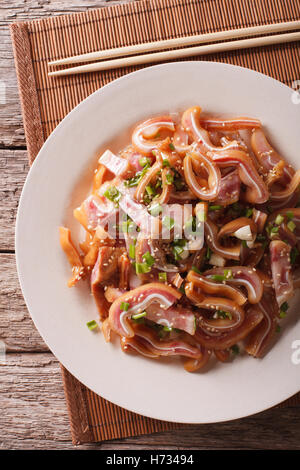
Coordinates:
(33, 408)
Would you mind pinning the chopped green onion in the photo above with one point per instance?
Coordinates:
(171, 146)
(169, 178)
(228, 274)
(124, 306)
(274, 229)
(215, 208)
(155, 209)
(132, 251)
(137, 316)
(181, 289)
(144, 161)
(162, 277)
(178, 183)
(165, 163)
(201, 215)
(177, 251)
(168, 222)
(235, 349)
(223, 314)
(142, 268)
(137, 178)
(294, 254)
(218, 277)
(167, 328)
(158, 183)
(244, 244)
(249, 212)
(236, 207)
(194, 268)
(148, 259)
(150, 191)
(190, 224)
(279, 219)
(282, 314)
(261, 237)
(180, 242)
(112, 194)
(284, 307)
(208, 253)
(92, 325)
(290, 215)
(291, 225)
(127, 226)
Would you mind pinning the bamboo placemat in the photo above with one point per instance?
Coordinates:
(46, 101)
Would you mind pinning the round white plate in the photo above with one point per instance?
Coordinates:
(54, 186)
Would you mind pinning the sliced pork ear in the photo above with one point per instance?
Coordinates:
(268, 157)
(105, 267)
(259, 219)
(211, 236)
(134, 158)
(223, 355)
(289, 213)
(257, 191)
(221, 289)
(229, 191)
(181, 141)
(146, 340)
(136, 301)
(283, 195)
(139, 214)
(242, 228)
(72, 254)
(138, 345)
(210, 188)
(281, 270)
(124, 271)
(117, 165)
(178, 317)
(261, 337)
(242, 276)
(191, 365)
(95, 210)
(230, 124)
(145, 136)
(107, 263)
(225, 340)
(191, 123)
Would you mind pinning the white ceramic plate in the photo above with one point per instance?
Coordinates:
(157, 389)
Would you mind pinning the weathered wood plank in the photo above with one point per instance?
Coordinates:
(34, 416)
(11, 125)
(33, 409)
(18, 10)
(16, 327)
(13, 171)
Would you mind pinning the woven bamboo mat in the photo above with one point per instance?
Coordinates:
(46, 101)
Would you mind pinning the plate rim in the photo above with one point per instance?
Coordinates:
(18, 249)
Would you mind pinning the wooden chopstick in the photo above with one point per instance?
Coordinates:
(179, 53)
(178, 42)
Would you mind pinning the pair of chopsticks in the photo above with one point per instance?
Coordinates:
(145, 57)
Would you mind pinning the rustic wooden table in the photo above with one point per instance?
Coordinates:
(32, 403)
